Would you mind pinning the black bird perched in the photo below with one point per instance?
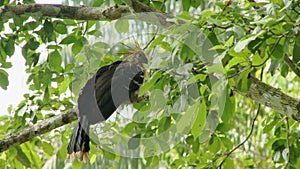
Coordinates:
(111, 86)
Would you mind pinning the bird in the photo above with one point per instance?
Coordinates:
(111, 86)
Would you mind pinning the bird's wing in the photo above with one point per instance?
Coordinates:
(94, 100)
(110, 87)
(103, 92)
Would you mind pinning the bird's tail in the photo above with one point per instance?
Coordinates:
(79, 147)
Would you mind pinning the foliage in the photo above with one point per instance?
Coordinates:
(246, 37)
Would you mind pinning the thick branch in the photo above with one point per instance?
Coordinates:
(273, 98)
(140, 7)
(84, 13)
(39, 128)
(65, 12)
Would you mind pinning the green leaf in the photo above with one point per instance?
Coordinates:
(258, 60)
(6, 65)
(157, 4)
(90, 24)
(186, 53)
(48, 27)
(224, 127)
(22, 157)
(216, 68)
(214, 144)
(270, 126)
(28, 1)
(278, 52)
(54, 60)
(184, 123)
(64, 85)
(235, 61)
(47, 147)
(108, 153)
(119, 2)
(274, 66)
(12, 153)
(10, 46)
(229, 109)
(200, 120)
(100, 45)
(32, 44)
(93, 158)
(68, 40)
(296, 53)
(3, 79)
(284, 70)
(18, 21)
(155, 161)
(36, 160)
(196, 78)
(134, 142)
(32, 25)
(55, 47)
(122, 25)
(157, 100)
(229, 42)
(243, 43)
(297, 40)
(255, 44)
(3, 163)
(196, 3)
(228, 164)
(189, 139)
(244, 82)
(166, 46)
(94, 137)
(60, 28)
(95, 33)
(98, 3)
(77, 46)
(186, 4)
(148, 85)
(77, 165)
(226, 142)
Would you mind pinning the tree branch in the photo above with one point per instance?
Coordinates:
(227, 154)
(83, 13)
(39, 128)
(291, 65)
(273, 98)
(64, 11)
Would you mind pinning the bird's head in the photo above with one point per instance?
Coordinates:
(140, 57)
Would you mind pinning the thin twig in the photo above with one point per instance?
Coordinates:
(287, 141)
(270, 54)
(162, 5)
(250, 133)
(152, 39)
(243, 142)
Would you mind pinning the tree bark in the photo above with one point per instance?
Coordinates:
(273, 98)
(39, 128)
(64, 11)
